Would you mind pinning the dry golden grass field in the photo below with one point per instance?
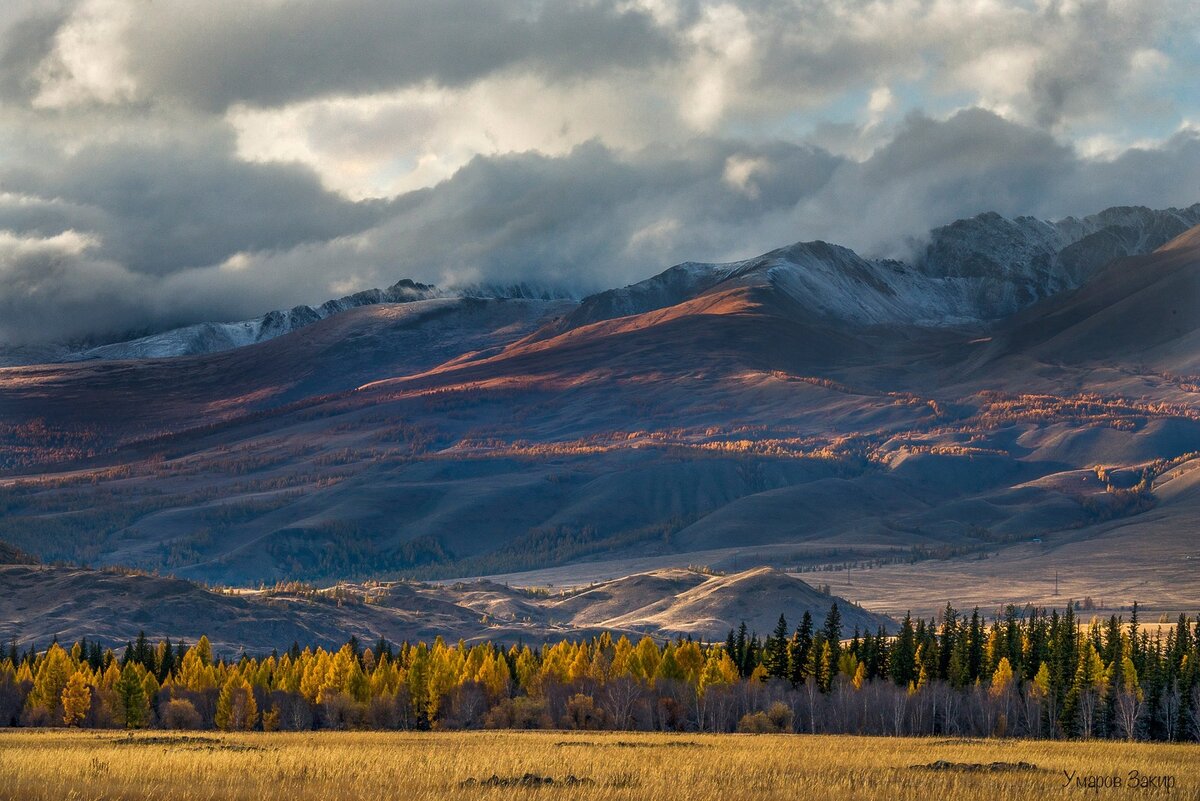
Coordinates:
(59, 764)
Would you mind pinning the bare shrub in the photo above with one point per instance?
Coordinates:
(519, 713)
(583, 714)
(179, 713)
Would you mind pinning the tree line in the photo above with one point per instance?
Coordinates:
(1026, 672)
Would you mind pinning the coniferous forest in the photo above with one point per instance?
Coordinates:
(1025, 673)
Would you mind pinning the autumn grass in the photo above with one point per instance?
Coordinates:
(60, 764)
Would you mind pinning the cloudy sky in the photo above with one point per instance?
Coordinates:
(163, 161)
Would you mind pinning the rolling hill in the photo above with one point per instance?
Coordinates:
(42, 603)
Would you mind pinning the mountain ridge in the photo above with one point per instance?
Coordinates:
(972, 270)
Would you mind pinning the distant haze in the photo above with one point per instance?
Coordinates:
(162, 164)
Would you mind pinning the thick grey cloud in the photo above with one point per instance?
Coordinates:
(57, 289)
(598, 217)
(161, 207)
(26, 41)
(163, 163)
(220, 52)
(593, 218)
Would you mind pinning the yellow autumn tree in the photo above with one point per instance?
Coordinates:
(53, 672)
(493, 675)
(1041, 682)
(1002, 678)
(645, 662)
(860, 676)
(236, 708)
(76, 699)
(195, 673)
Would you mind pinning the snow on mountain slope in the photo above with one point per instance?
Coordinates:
(972, 270)
(215, 337)
(1001, 266)
(202, 338)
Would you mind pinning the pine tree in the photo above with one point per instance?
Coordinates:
(143, 654)
(904, 652)
(975, 642)
(958, 668)
(775, 657)
(833, 632)
(798, 650)
(165, 661)
(131, 697)
(949, 640)
(1012, 639)
(741, 648)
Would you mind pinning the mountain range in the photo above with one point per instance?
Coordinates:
(1018, 400)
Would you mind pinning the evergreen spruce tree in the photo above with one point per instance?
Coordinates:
(131, 697)
(798, 650)
(833, 632)
(741, 645)
(881, 667)
(949, 638)
(975, 642)
(775, 656)
(904, 652)
(753, 655)
(958, 667)
(164, 660)
(1039, 644)
(1135, 640)
(1012, 639)
(143, 654)
(816, 670)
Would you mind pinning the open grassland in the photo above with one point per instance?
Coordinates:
(58, 764)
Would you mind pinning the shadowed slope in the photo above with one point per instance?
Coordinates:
(1144, 309)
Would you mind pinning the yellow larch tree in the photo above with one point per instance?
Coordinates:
(76, 698)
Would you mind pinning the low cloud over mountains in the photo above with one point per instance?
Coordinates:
(163, 168)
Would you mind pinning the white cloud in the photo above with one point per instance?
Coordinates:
(383, 145)
(88, 61)
(740, 171)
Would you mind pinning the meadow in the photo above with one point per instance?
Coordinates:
(59, 764)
